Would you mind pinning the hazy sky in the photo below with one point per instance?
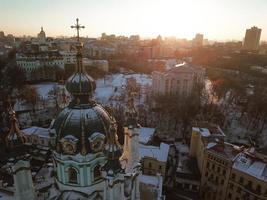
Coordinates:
(216, 19)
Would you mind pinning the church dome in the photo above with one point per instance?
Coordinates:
(81, 125)
(81, 84)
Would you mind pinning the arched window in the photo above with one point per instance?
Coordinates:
(97, 173)
(72, 175)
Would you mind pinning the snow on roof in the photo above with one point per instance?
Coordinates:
(211, 144)
(211, 130)
(181, 147)
(248, 165)
(150, 180)
(205, 132)
(159, 153)
(146, 134)
(224, 149)
(34, 130)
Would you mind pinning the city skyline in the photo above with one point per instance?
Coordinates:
(217, 20)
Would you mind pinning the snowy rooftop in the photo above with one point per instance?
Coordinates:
(34, 130)
(224, 149)
(151, 180)
(146, 134)
(182, 147)
(211, 130)
(159, 153)
(251, 165)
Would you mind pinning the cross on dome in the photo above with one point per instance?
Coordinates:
(77, 26)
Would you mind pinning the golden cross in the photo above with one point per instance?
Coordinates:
(77, 26)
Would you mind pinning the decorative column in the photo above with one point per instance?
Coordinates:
(23, 183)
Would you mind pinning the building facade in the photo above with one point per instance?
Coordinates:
(198, 40)
(252, 39)
(228, 172)
(41, 65)
(178, 80)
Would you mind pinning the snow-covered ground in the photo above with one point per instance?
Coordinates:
(107, 89)
(43, 89)
(113, 86)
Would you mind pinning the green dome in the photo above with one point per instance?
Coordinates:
(79, 123)
(81, 84)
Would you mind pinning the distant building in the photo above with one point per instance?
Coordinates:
(252, 39)
(99, 49)
(41, 65)
(135, 38)
(69, 57)
(178, 80)
(41, 36)
(2, 34)
(198, 40)
(98, 64)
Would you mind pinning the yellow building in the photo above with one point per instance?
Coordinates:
(248, 179)
(228, 172)
(154, 159)
(200, 138)
(218, 159)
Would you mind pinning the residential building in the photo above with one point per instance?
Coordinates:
(151, 187)
(198, 40)
(248, 178)
(41, 65)
(201, 136)
(69, 57)
(228, 172)
(2, 34)
(217, 165)
(187, 179)
(154, 158)
(252, 39)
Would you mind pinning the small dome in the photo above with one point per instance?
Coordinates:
(81, 122)
(81, 84)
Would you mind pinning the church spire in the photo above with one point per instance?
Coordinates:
(80, 84)
(131, 114)
(77, 26)
(14, 136)
(79, 47)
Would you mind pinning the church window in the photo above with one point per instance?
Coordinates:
(72, 175)
(97, 173)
